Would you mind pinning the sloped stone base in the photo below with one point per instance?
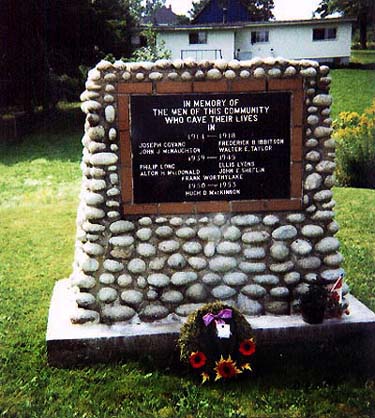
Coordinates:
(350, 339)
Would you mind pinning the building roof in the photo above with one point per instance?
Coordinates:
(240, 25)
(162, 16)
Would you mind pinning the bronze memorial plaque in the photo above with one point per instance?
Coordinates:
(210, 147)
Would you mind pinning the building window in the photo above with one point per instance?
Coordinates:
(324, 34)
(259, 36)
(197, 38)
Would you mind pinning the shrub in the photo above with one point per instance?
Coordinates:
(355, 153)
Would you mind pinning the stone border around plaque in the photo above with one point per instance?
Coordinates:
(156, 261)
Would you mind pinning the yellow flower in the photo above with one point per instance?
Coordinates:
(226, 368)
(246, 366)
(205, 377)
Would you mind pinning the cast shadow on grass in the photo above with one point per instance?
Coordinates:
(57, 137)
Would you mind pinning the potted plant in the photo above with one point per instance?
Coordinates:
(313, 304)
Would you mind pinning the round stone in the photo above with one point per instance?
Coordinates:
(92, 213)
(311, 278)
(313, 181)
(164, 231)
(161, 220)
(313, 156)
(117, 313)
(274, 72)
(170, 246)
(333, 260)
(132, 297)
(209, 249)
(247, 267)
(312, 231)
(322, 100)
(279, 251)
(172, 297)
(301, 289)
(284, 232)
(271, 220)
(232, 233)
(326, 167)
(120, 227)
(214, 74)
(107, 278)
(192, 247)
(254, 291)
(255, 237)
(327, 245)
(323, 215)
(279, 292)
(158, 280)
(152, 294)
(248, 306)
(296, 218)
(323, 196)
(277, 308)
(308, 72)
(145, 221)
(107, 295)
(223, 292)
(141, 282)
(93, 199)
(219, 219)
(185, 233)
(311, 143)
(136, 265)
(197, 263)
(154, 312)
(91, 248)
(122, 241)
(245, 220)
(110, 114)
(282, 267)
(309, 263)
(124, 280)
(211, 279)
(196, 292)
(259, 72)
(113, 266)
(254, 253)
(332, 275)
(292, 278)
(103, 158)
(301, 247)
(209, 233)
(333, 227)
(183, 278)
(144, 234)
(222, 264)
(228, 248)
(235, 279)
(176, 261)
(176, 221)
(266, 279)
(157, 263)
(188, 308)
(146, 250)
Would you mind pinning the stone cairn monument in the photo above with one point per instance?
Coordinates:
(202, 181)
(153, 241)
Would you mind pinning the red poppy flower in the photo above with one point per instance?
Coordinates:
(247, 347)
(226, 369)
(197, 359)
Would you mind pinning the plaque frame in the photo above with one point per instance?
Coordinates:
(294, 86)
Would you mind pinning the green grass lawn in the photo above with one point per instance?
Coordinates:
(39, 186)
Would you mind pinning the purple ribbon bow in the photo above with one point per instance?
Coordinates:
(219, 318)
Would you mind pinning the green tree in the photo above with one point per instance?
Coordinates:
(260, 10)
(43, 41)
(362, 10)
(155, 48)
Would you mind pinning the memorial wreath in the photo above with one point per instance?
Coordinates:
(217, 342)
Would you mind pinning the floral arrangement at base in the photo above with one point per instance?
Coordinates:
(217, 343)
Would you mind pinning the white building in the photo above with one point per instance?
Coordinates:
(325, 40)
